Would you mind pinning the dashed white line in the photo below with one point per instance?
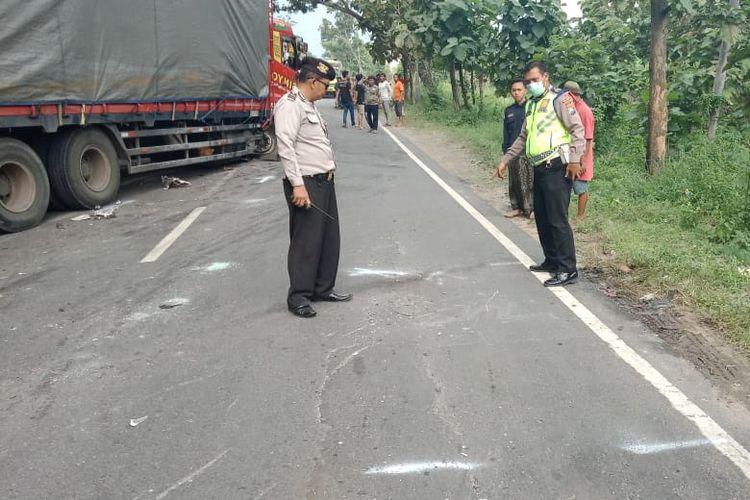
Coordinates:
(712, 431)
(169, 239)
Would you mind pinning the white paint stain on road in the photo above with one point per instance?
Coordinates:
(652, 448)
(254, 201)
(421, 467)
(265, 178)
(383, 273)
(217, 266)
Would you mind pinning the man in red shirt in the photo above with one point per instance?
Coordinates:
(581, 185)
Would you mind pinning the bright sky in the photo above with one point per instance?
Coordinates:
(306, 25)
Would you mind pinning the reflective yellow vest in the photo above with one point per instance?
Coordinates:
(545, 133)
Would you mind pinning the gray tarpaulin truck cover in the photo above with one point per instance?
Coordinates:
(132, 50)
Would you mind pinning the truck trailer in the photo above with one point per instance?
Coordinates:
(93, 89)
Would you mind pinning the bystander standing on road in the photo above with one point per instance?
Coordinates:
(386, 97)
(581, 185)
(552, 138)
(344, 96)
(359, 96)
(307, 157)
(399, 96)
(372, 101)
(521, 182)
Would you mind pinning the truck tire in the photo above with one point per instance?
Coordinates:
(83, 169)
(267, 145)
(24, 186)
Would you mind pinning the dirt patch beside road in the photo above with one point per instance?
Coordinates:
(725, 363)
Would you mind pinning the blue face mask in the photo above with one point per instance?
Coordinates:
(536, 88)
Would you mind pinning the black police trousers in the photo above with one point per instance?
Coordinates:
(314, 242)
(551, 200)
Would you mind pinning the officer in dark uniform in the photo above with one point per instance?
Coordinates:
(307, 157)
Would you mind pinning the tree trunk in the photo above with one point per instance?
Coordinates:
(473, 90)
(464, 90)
(657, 104)
(721, 77)
(424, 69)
(454, 89)
(481, 91)
(407, 63)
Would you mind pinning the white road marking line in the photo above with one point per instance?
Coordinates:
(713, 432)
(651, 448)
(420, 467)
(168, 240)
(191, 476)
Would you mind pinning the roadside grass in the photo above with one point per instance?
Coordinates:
(685, 232)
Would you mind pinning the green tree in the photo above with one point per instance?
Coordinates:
(492, 37)
(342, 41)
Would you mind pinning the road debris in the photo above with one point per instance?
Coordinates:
(134, 422)
(172, 303)
(173, 182)
(98, 213)
(648, 297)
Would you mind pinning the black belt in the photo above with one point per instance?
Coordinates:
(554, 162)
(327, 176)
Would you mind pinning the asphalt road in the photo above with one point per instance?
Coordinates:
(452, 375)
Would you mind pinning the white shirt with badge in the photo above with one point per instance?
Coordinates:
(302, 136)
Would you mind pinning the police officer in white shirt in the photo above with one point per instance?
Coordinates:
(307, 157)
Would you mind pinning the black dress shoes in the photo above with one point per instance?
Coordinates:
(334, 297)
(562, 279)
(543, 267)
(303, 311)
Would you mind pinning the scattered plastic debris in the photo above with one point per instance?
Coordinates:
(173, 182)
(134, 422)
(106, 212)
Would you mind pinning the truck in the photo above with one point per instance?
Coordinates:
(91, 90)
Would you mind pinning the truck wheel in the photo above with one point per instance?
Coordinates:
(24, 187)
(83, 169)
(266, 145)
